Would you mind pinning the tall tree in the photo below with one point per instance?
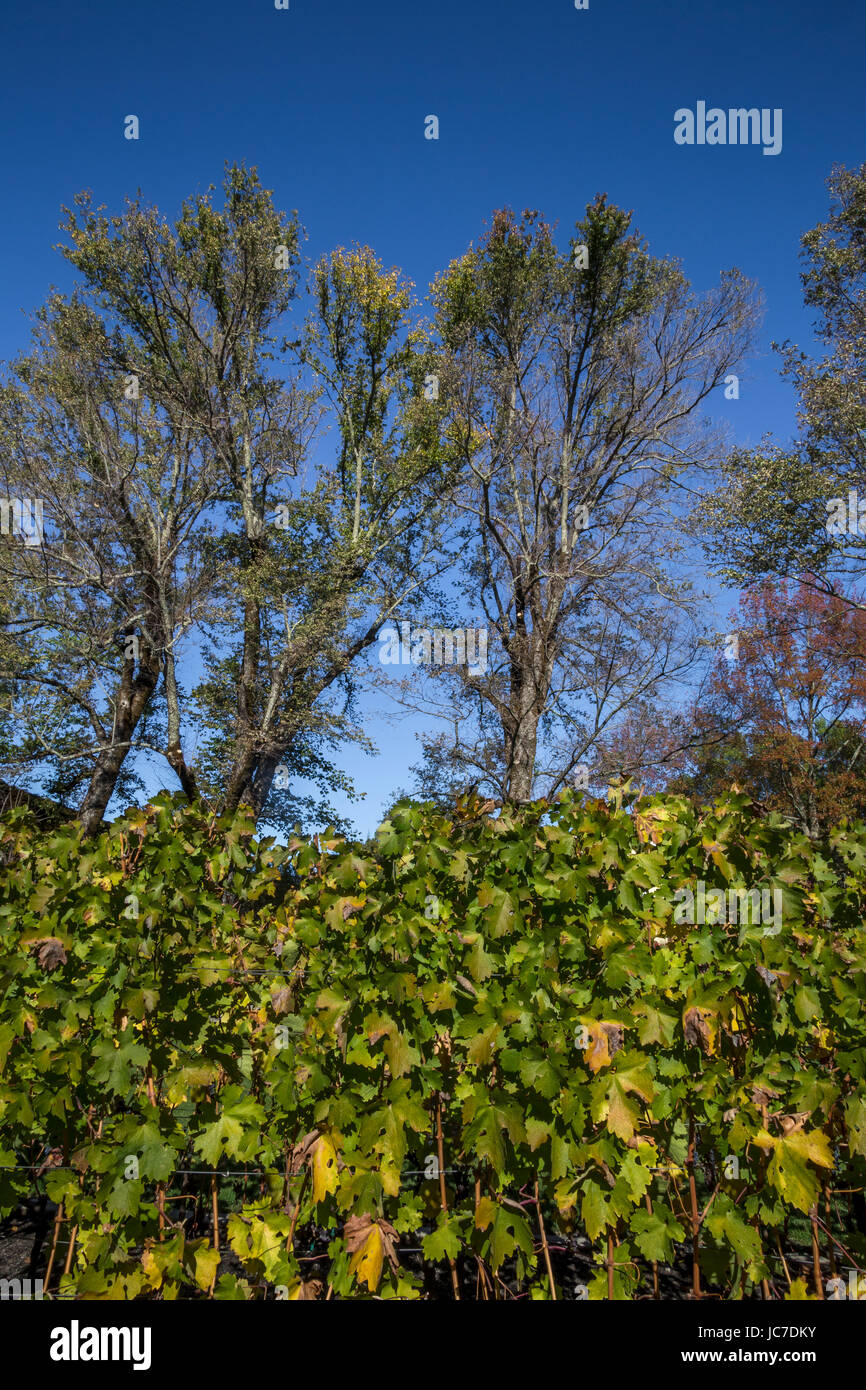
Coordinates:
(343, 554)
(180, 421)
(800, 510)
(101, 600)
(574, 381)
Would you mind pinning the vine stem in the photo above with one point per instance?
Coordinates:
(696, 1220)
(68, 1265)
(610, 1265)
(782, 1258)
(160, 1186)
(816, 1253)
(545, 1246)
(831, 1251)
(57, 1222)
(216, 1226)
(443, 1191)
(482, 1272)
(649, 1207)
(845, 1251)
(68, 1262)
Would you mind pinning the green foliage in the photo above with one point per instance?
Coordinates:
(771, 515)
(179, 994)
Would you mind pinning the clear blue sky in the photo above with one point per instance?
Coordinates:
(540, 105)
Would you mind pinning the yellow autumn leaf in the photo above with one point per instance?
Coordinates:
(366, 1262)
(788, 1169)
(737, 1023)
(670, 1169)
(621, 1113)
(152, 1271)
(566, 1195)
(391, 1180)
(324, 1168)
(799, 1293)
(602, 1040)
(815, 1146)
(597, 1053)
(764, 1139)
(206, 1263)
(485, 1212)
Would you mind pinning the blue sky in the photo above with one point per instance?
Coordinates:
(540, 105)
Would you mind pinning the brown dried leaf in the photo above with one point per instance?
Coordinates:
(761, 1096)
(309, 1291)
(281, 1000)
(696, 1030)
(356, 1232)
(51, 953)
(301, 1151)
(792, 1124)
(638, 1140)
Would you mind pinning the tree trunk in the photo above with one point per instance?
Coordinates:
(264, 780)
(240, 780)
(521, 761)
(132, 701)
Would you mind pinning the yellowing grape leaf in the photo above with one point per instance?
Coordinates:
(367, 1260)
(152, 1271)
(484, 1213)
(788, 1170)
(605, 1040)
(595, 1211)
(799, 1293)
(324, 1168)
(622, 1112)
(369, 1243)
(206, 1261)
